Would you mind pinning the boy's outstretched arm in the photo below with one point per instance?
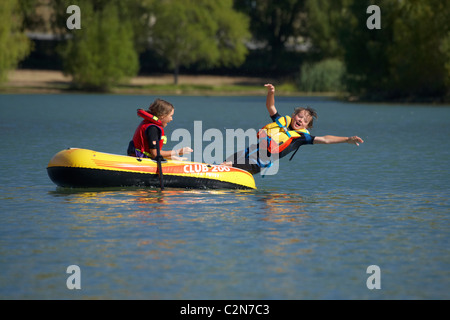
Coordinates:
(333, 139)
(270, 100)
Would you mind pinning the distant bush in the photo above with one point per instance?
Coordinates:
(323, 76)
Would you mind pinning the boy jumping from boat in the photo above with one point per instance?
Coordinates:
(281, 137)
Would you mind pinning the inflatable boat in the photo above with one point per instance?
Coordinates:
(82, 168)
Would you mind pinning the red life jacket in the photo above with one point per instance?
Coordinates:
(140, 138)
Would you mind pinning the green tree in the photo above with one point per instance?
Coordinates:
(365, 51)
(275, 23)
(137, 13)
(101, 54)
(445, 49)
(32, 20)
(417, 56)
(14, 44)
(324, 19)
(323, 68)
(207, 31)
(406, 58)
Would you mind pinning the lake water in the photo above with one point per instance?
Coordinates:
(309, 232)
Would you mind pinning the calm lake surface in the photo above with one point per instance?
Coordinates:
(309, 232)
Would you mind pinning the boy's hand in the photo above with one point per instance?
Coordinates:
(355, 140)
(270, 88)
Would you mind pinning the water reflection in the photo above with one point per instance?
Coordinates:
(269, 206)
(221, 228)
(146, 198)
(282, 207)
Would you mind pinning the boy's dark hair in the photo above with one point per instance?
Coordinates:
(311, 112)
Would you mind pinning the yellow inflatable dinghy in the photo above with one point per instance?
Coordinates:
(82, 168)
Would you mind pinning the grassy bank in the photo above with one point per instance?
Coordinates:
(44, 81)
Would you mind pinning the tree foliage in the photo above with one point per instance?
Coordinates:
(275, 23)
(324, 19)
(418, 54)
(406, 58)
(102, 53)
(207, 31)
(14, 44)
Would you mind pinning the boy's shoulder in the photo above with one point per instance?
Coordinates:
(275, 117)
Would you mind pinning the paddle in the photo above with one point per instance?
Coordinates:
(159, 158)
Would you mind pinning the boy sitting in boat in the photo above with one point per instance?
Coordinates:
(149, 136)
(281, 137)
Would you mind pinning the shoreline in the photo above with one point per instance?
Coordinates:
(53, 81)
(31, 81)
(28, 81)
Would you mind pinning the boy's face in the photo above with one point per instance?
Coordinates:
(301, 120)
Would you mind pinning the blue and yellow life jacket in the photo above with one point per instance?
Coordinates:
(279, 136)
